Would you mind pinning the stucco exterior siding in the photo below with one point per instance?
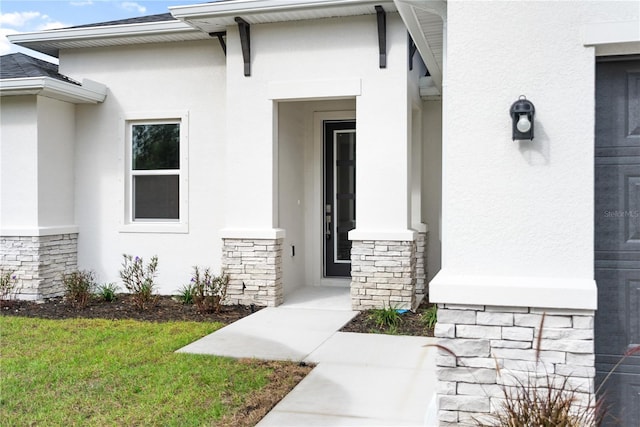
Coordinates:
(149, 80)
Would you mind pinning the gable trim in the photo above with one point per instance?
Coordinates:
(89, 92)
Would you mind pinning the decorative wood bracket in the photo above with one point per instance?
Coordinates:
(245, 40)
(220, 36)
(412, 51)
(382, 35)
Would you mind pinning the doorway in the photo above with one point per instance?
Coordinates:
(339, 195)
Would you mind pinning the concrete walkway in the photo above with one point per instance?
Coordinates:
(359, 380)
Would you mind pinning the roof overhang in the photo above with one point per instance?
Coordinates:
(425, 22)
(216, 17)
(50, 42)
(89, 92)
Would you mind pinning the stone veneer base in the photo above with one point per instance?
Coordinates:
(254, 267)
(383, 274)
(421, 263)
(484, 338)
(39, 262)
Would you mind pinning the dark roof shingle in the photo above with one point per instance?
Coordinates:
(19, 65)
(138, 20)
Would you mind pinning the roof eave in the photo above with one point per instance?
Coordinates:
(407, 13)
(236, 8)
(47, 41)
(89, 92)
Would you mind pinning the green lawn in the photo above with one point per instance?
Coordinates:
(103, 372)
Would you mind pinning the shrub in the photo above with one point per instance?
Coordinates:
(209, 291)
(185, 294)
(108, 291)
(138, 279)
(8, 285)
(430, 317)
(552, 402)
(386, 317)
(78, 287)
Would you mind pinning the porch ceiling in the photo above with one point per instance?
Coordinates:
(425, 22)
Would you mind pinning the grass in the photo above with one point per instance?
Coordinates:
(95, 372)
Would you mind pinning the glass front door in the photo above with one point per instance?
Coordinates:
(339, 196)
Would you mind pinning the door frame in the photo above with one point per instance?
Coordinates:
(334, 267)
(315, 218)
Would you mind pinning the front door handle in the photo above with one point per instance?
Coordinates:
(327, 229)
(327, 221)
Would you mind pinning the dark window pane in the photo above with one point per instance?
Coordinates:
(156, 197)
(155, 146)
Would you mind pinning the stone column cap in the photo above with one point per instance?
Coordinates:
(252, 233)
(449, 287)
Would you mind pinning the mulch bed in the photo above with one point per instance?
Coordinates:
(165, 309)
(411, 323)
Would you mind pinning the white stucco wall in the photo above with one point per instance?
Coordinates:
(314, 60)
(18, 163)
(520, 211)
(149, 79)
(56, 134)
(432, 181)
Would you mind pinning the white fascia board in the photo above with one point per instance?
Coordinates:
(244, 7)
(542, 292)
(89, 93)
(103, 32)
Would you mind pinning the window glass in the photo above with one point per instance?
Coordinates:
(155, 146)
(156, 197)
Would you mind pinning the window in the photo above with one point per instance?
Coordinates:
(156, 171)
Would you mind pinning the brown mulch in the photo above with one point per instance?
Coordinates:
(411, 323)
(165, 309)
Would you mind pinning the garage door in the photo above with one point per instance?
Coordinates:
(617, 235)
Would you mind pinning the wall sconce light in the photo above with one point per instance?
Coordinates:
(522, 112)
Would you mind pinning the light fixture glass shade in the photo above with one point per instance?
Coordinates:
(523, 124)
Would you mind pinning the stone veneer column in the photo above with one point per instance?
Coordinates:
(383, 274)
(421, 264)
(39, 262)
(254, 267)
(484, 337)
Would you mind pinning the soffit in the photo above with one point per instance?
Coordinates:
(425, 22)
(216, 17)
(52, 41)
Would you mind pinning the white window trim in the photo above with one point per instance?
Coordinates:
(127, 225)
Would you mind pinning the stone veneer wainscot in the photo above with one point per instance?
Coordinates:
(254, 267)
(39, 262)
(383, 274)
(484, 337)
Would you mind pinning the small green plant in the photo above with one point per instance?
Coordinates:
(209, 291)
(386, 317)
(8, 285)
(108, 291)
(185, 294)
(138, 278)
(430, 317)
(78, 287)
